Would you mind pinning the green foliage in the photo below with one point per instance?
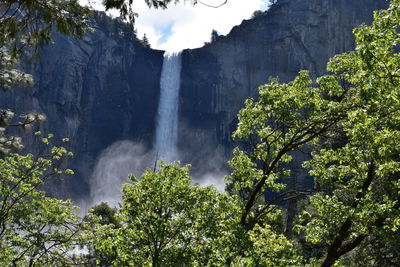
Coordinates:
(284, 118)
(167, 221)
(106, 214)
(358, 176)
(164, 220)
(35, 230)
(99, 215)
(362, 175)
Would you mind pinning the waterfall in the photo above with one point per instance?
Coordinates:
(167, 121)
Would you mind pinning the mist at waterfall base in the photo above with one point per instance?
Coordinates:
(113, 166)
(122, 158)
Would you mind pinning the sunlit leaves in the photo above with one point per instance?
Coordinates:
(285, 118)
(165, 219)
(350, 121)
(34, 229)
(358, 178)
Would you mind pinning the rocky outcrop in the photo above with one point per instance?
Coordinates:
(292, 35)
(95, 91)
(105, 87)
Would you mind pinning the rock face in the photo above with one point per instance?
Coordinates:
(95, 91)
(292, 35)
(105, 87)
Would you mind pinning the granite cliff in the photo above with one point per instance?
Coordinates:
(105, 87)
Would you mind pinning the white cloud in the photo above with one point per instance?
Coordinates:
(186, 26)
(190, 26)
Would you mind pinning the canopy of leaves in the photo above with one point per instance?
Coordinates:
(166, 221)
(350, 120)
(35, 230)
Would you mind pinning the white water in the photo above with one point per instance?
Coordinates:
(167, 116)
(113, 166)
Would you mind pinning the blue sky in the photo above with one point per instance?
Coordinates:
(186, 26)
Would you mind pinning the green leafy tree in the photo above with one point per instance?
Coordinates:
(144, 41)
(286, 117)
(360, 179)
(350, 120)
(35, 230)
(99, 215)
(106, 214)
(167, 221)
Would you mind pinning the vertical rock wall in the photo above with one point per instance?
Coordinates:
(292, 35)
(96, 91)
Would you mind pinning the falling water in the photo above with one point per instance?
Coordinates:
(167, 121)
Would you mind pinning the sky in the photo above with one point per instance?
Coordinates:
(186, 26)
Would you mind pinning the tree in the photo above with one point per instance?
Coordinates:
(145, 41)
(166, 221)
(350, 121)
(285, 117)
(360, 178)
(257, 13)
(26, 25)
(99, 215)
(35, 229)
(214, 36)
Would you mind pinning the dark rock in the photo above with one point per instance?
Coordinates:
(95, 91)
